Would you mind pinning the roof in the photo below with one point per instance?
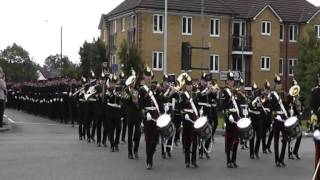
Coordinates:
(211, 6)
(288, 10)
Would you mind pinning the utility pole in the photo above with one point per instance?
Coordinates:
(202, 33)
(165, 48)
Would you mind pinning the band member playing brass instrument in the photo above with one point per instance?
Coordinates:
(134, 115)
(295, 109)
(267, 119)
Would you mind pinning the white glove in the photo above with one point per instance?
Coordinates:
(201, 111)
(149, 118)
(231, 119)
(278, 117)
(187, 117)
(166, 108)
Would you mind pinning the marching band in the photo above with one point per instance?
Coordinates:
(107, 106)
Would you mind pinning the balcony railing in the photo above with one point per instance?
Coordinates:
(241, 43)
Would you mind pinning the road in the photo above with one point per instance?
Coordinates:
(40, 149)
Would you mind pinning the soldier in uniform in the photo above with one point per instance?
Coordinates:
(315, 111)
(231, 116)
(82, 107)
(123, 112)
(295, 110)
(149, 102)
(278, 101)
(267, 119)
(114, 115)
(190, 113)
(255, 108)
(134, 115)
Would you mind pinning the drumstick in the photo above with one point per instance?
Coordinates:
(316, 172)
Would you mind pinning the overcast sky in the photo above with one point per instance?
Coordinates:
(35, 24)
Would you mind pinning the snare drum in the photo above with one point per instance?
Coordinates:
(292, 127)
(316, 136)
(245, 128)
(165, 126)
(203, 128)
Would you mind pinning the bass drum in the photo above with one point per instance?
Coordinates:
(203, 128)
(292, 127)
(245, 129)
(165, 126)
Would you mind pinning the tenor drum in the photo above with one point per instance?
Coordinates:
(165, 126)
(203, 128)
(245, 128)
(292, 127)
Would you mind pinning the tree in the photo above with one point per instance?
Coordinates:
(130, 58)
(92, 55)
(17, 64)
(52, 65)
(305, 72)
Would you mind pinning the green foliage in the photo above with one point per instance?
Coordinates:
(305, 72)
(52, 65)
(17, 64)
(130, 58)
(92, 55)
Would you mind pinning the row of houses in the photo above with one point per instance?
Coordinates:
(258, 38)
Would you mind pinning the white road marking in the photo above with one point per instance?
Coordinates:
(30, 123)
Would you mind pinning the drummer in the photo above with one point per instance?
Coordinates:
(231, 116)
(315, 111)
(190, 114)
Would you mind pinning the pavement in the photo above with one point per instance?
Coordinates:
(36, 148)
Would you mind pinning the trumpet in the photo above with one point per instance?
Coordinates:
(81, 89)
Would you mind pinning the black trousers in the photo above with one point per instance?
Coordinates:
(190, 142)
(2, 106)
(177, 120)
(81, 119)
(296, 147)
(124, 125)
(91, 119)
(151, 137)
(134, 131)
(257, 124)
(231, 141)
(100, 121)
(266, 120)
(114, 125)
(278, 127)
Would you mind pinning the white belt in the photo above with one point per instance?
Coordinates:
(280, 112)
(114, 105)
(65, 93)
(233, 110)
(82, 100)
(254, 112)
(150, 108)
(204, 104)
(214, 105)
(92, 100)
(188, 110)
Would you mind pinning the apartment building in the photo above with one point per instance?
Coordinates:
(258, 38)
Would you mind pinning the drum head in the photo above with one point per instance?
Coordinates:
(243, 123)
(290, 121)
(316, 135)
(163, 120)
(200, 122)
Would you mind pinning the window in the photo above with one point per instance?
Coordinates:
(266, 28)
(114, 26)
(281, 66)
(123, 24)
(281, 32)
(133, 21)
(214, 27)
(293, 33)
(157, 60)
(186, 25)
(157, 23)
(317, 28)
(113, 59)
(265, 63)
(214, 63)
(291, 64)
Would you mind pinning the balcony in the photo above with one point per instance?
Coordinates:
(241, 44)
